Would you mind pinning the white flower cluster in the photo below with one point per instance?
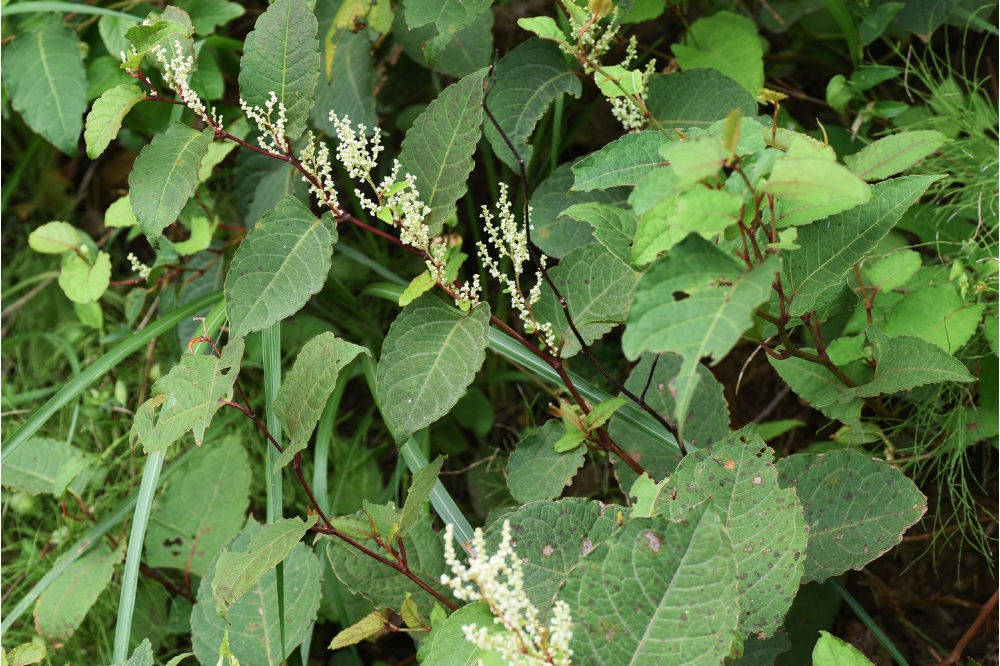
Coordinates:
(272, 132)
(511, 241)
(176, 74)
(593, 38)
(137, 266)
(315, 159)
(499, 581)
(625, 109)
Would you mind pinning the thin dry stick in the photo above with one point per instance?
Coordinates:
(984, 613)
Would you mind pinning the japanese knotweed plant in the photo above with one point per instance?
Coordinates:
(705, 225)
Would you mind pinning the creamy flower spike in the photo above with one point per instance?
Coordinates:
(176, 74)
(498, 580)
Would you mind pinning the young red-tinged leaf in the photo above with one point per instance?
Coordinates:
(364, 628)
(569, 441)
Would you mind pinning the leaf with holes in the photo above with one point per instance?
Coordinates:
(282, 262)
(429, 358)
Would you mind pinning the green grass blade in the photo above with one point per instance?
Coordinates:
(867, 620)
(102, 366)
(272, 473)
(67, 7)
(140, 519)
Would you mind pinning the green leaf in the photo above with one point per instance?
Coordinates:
(55, 238)
(616, 81)
(438, 147)
(44, 76)
(105, 119)
(447, 646)
(857, 508)
(696, 302)
(904, 363)
(44, 465)
(602, 412)
(348, 86)
(726, 42)
(200, 239)
(831, 651)
(693, 160)
(188, 397)
(418, 286)
(765, 522)
(552, 538)
(62, 607)
(893, 154)
(614, 228)
(29, 653)
(236, 573)
(707, 418)
(282, 262)
(119, 214)
(207, 15)
(757, 652)
(598, 288)
(545, 27)
(471, 48)
(536, 471)
(656, 592)
(936, 314)
(201, 509)
(254, 622)
(893, 271)
(165, 33)
(621, 162)
(571, 440)
(813, 188)
(165, 176)
(112, 30)
(696, 98)
(281, 55)
(429, 358)
(831, 247)
(386, 587)
(83, 282)
(529, 79)
(449, 16)
(363, 629)
(702, 210)
(307, 387)
(818, 386)
(417, 495)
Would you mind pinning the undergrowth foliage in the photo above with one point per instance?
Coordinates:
(711, 221)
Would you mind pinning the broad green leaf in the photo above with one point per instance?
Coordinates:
(64, 604)
(697, 302)
(278, 182)
(387, 587)
(831, 651)
(347, 85)
(469, 50)
(765, 522)
(383, 519)
(200, 238)
(552, 537)
(813, 188)
(893, 154)
(857, 508)
(707, 418)
(206, 15)
(83, 282)
(904, 363)
(602, 412)
(188, 397)
(448, 16)
(656, 592)
(571, 440)
(545, 27)
(218, 150)
(200, 509)
(236, 573)
(306, 388)
(648, 496)
(281, 263)
(364, 628)
(820, 388)
(44, 76)
(616, 81)
(416, 496)
(55, 238)
(438, 147)
(893, 271)
(614, 227)
(165, 176)
(726, 42)
(693, 160)
(281, 55)
(598, 288)
(831, 247)
(757, 652)
(621, 162)
(447, 646)
(44, 465)
(701, 210)
(655, 189)
(535, 471)
(119, 214)
(552, 229)
(105, 119)
(105, 72)
(254, 622)
(936, 314)
(29, 653)
(429, 358)
(529, 79)
(112, 30)
(141, 656)
(696, 98)
(160, 32)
